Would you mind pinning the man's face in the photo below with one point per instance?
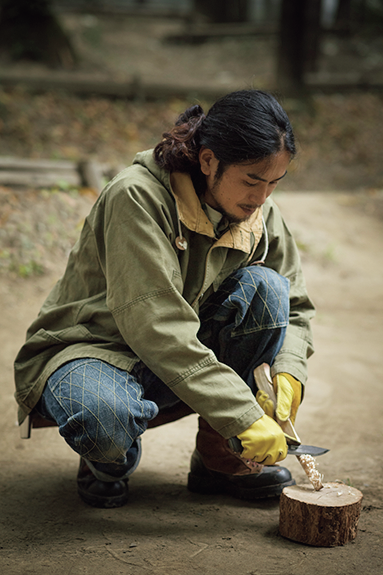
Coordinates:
(242, 188)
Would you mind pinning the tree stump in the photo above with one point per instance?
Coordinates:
(324, 518)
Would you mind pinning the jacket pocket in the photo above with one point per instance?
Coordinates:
(44, 339)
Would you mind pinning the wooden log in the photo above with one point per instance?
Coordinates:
(325, 518)
(40, 173)
(35, 179)
(12, 163)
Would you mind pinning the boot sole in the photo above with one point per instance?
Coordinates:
(102, 501)
(209, 486)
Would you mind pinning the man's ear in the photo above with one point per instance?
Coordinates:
(208, 161)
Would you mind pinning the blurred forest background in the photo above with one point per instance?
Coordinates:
(93, 82)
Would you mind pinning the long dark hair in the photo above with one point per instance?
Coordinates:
(243, 125)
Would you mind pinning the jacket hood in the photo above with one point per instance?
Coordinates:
(146, 159)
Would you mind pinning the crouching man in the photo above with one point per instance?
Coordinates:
(185, 279)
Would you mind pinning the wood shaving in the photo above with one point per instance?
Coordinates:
(308, 464)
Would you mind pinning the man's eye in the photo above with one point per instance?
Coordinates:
(250, 184)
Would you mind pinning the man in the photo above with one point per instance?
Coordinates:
(185, 278)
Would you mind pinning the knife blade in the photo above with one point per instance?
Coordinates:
(306, 450)
(312, 450)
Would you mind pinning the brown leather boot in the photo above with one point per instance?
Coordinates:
(215, 468)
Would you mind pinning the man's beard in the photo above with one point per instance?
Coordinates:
(231, 218)
(235, 219)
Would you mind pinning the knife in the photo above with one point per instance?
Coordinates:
(264, 382)
(312, 450)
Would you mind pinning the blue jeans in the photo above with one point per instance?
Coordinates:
(101, 410)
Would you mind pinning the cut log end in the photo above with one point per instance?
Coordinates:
(325, 518)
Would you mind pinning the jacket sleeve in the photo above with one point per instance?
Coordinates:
(283, 257)
(144, 295)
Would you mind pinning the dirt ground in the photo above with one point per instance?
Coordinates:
(164, 529)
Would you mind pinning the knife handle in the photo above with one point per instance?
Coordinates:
(235, 444)
(264, 383)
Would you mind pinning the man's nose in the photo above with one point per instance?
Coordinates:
(260, 195)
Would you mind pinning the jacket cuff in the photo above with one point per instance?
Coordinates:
(242, 423)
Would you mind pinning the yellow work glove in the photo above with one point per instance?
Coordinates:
(267, 404)
(263, 441)
(289, 395)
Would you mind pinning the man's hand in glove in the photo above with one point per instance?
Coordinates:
(289, 395)
(263, 441)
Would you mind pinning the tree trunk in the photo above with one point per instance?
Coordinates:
(298, 48)
(29, 30)
(312, 35)
(219, 11)
(343, 17)
(325, 518)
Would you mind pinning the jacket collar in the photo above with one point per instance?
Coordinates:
(191, 214)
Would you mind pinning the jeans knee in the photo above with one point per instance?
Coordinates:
(107, 434)
(95, 437)
(100, 409)
(269, 294)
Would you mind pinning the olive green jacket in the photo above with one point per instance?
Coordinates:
(129, 293)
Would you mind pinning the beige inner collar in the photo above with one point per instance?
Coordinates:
(192, 215)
